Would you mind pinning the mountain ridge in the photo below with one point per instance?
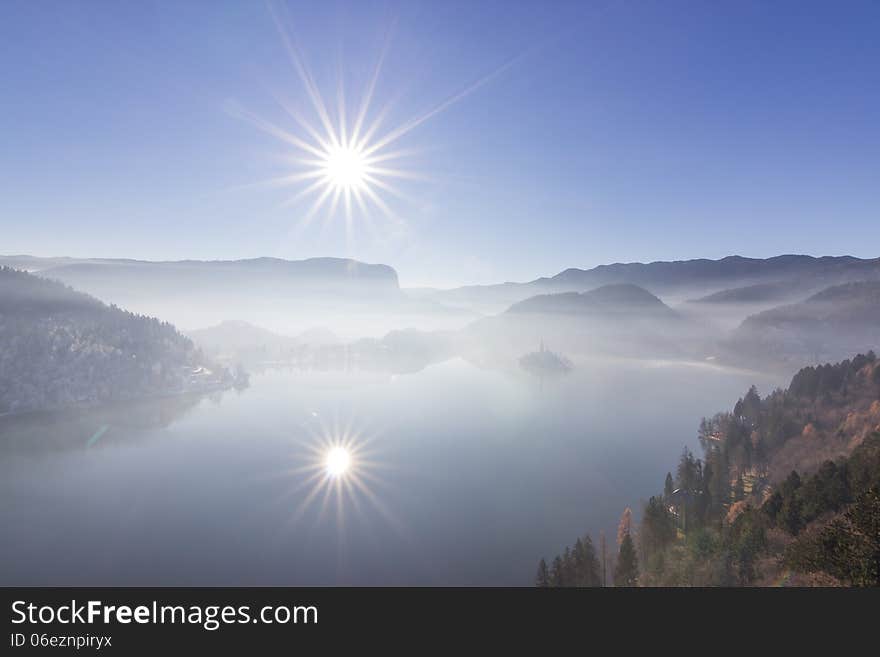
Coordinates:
(679, 278)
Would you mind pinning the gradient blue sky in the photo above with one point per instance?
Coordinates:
(626, 131)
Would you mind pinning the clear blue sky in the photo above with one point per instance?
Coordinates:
(625, 131)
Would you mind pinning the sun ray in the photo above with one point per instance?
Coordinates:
(316, 207)
(305, 76)
(303, 193)
(283, 181)
(391, 189)
(379, 202)
(279, 133)
(304, 124)
(390, 155)
(335, 202)
(367, 98)
(340, 104)
(375, 172)
(374, 126)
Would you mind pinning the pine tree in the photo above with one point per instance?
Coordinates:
(556, 572)
(568, 568)
(579, 563)
(626, 572)
(625, 525)
(687, 470)
(791, 516)
(668, 487)
(586, 563)
(542, 578)
(656, 531)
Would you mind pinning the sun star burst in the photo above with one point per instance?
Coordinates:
(345, 168)
(344, 158)
(336, 470)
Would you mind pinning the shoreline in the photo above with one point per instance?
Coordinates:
(107, 404)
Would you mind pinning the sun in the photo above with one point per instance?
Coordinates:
(337, 461)
(345, 168)
(346, 160)
(339, 467)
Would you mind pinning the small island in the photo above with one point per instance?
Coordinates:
(545, 361)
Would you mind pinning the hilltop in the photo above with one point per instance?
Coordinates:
(605, 301)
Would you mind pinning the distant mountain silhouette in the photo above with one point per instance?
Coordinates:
(195, 293)
(605, 301)
(236, 334)
(242, 341)
(683, 274)
(676, 279)
(317, 275)
(612, 320)
(839, 320)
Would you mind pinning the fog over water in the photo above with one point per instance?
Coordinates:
(467, 476)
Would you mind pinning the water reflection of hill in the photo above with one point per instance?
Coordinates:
(92, 428)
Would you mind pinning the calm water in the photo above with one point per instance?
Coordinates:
(465, 476)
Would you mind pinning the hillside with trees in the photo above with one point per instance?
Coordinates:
(786, 492)
(830, 325)
(63, 348)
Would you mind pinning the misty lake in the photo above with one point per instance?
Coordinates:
(459, 476)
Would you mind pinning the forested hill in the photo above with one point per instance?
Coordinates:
(62, 348)
(832, 324)
(787, 491)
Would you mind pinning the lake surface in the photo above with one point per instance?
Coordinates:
(459, 476)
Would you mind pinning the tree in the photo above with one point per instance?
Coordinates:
(656, 532)
(556, 575)
(704, 507)
(747, 539)
(586, 563)
(625, 525)
(579, 564)
(668, 487)
(568, 574)
(718, 484)
(542, 578)
(687, 470)
(791, 484)
(626, 572)
(790, 516)
(748, 409)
